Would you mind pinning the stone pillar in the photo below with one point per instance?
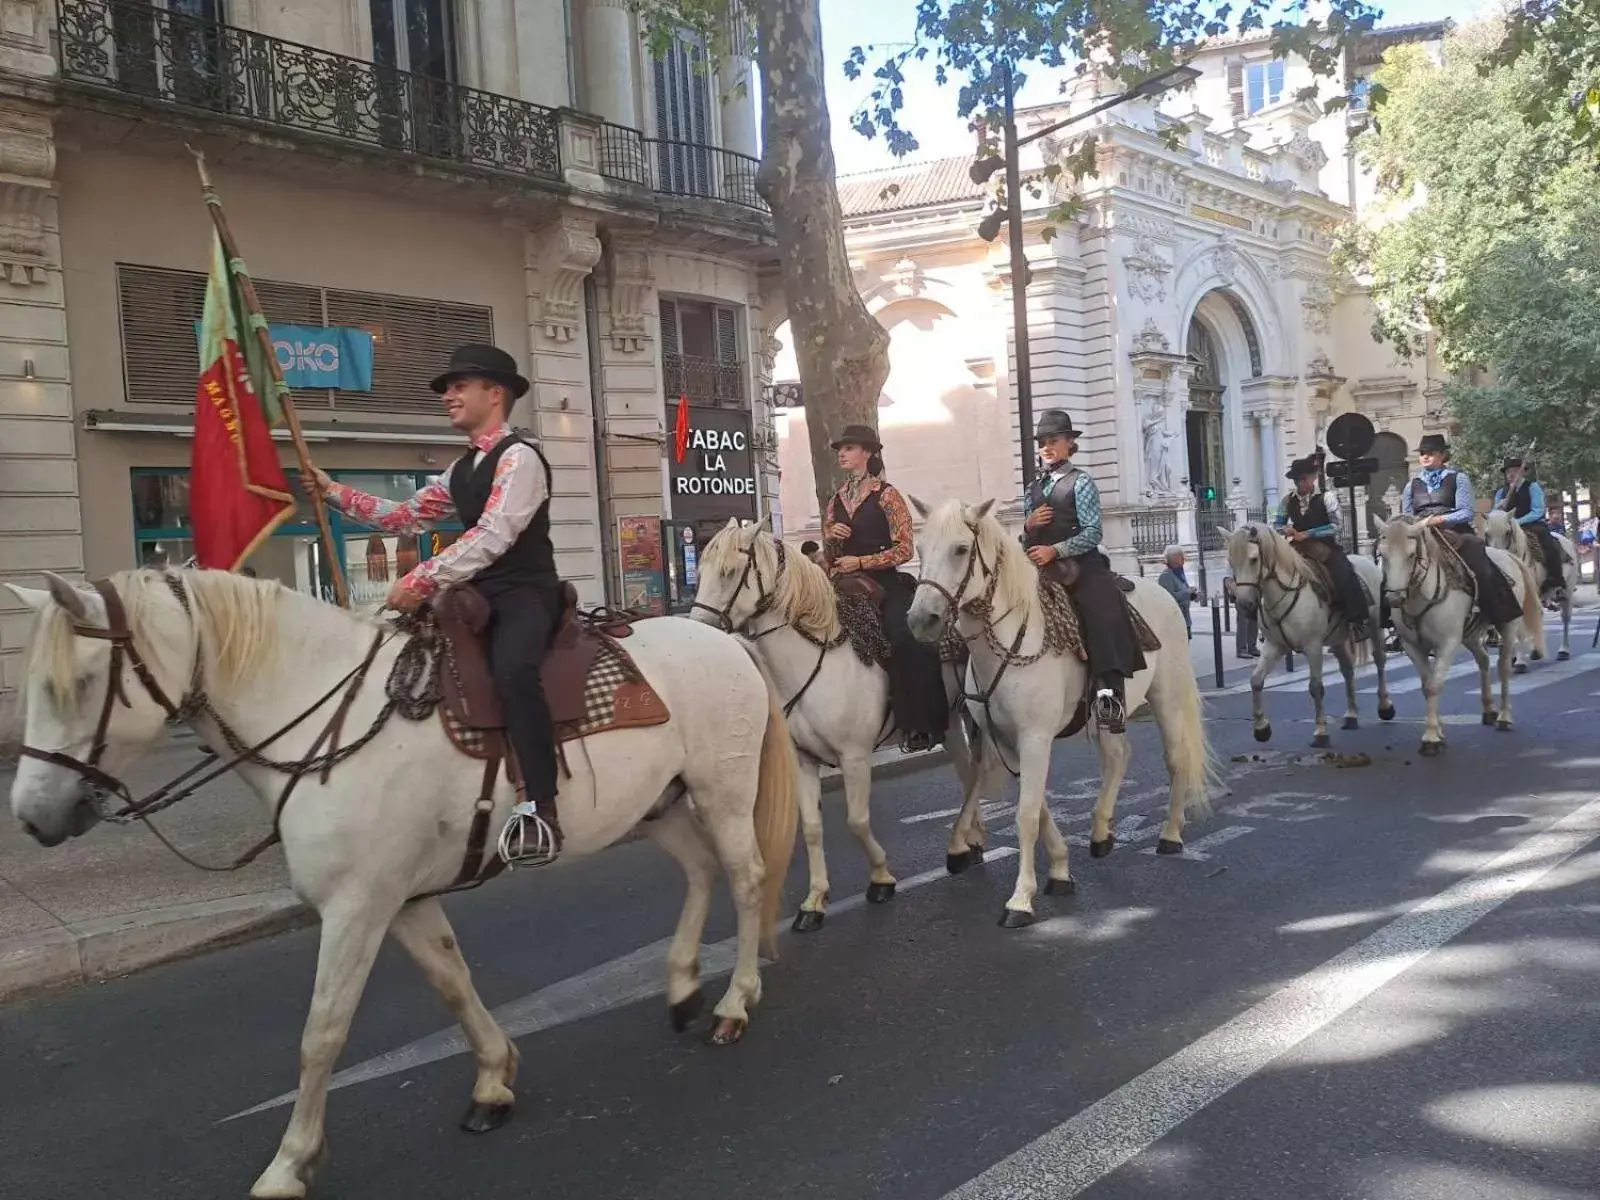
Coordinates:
(608, 61)
(739, 86)
(1272, 458)
(40, 521)
(558, 258)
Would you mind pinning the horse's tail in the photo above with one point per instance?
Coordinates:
(1532, 609)
(1180, 711)
(777, 810)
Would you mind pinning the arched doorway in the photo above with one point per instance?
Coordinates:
(1224, 353)
(1203, 424)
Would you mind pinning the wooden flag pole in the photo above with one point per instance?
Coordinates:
(291, 418)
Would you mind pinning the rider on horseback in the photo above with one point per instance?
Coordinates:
(500, 490)
(1311, 521)
(867, 535)
(1062, 536)
(1441, 495)
(1522, 496)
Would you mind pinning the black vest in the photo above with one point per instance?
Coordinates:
(530, 561)
(1307, 514)
(1434, 504)
(1520, 502)
(870, 532)
(1063, 504)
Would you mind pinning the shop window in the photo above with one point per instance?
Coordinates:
(411, 337)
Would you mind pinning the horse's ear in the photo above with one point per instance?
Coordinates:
(922, 509)
(765, 524)
(1379, 525)
(68, 597)
(747, 535)
(978, 512)
(32, 597)
(1227, 534)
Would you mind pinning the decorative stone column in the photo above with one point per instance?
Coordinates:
(608, 61)
(40, 521)
(558, 258)
(739, 87)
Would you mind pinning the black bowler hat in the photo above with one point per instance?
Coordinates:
(1509, 463)
(858, 435)
(1300, 468)
(483, 362)
(1053, 422)
(1433, 443)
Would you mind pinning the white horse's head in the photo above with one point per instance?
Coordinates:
(75, 712)
(1500, 530)
(738, 575)
(1247, 548)
(1399, 547)
(961, 546)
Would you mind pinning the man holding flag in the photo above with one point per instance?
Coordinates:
(500, 489)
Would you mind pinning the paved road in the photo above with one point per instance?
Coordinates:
(1375, 981)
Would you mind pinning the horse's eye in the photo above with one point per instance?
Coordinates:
(963, 551)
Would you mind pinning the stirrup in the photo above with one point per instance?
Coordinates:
(527, 839)
(916, 743)
(1110, 713)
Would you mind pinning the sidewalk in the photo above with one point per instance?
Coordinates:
(116, 900)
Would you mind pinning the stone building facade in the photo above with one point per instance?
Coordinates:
(1188, 317)
(426, 172)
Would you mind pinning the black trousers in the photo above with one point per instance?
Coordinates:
(916, 679)
(522, 622)
(1108, 635)
(1497, 601)
(1351, 595)
(1555, 571)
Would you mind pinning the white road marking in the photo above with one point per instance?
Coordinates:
(635, 976)
(1196, 851)
(1072, 1157)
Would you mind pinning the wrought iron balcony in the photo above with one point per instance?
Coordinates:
(155, 54)
(703, 380)
(680, 168)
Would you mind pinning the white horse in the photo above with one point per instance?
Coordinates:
(1500, 530)
(838, 706)
(1272, 579)
(239, 659)
(974, 573)
(1435, 617)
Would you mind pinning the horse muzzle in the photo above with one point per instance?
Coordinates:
(80, 818)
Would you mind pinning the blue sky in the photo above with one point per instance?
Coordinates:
(931, 109)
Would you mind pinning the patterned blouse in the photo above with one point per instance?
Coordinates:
(849, 497)
(517, 492)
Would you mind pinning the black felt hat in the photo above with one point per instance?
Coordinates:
(1300, 468)
(858, 435)
(1433, 443)
(483, 362)
(1055, 422)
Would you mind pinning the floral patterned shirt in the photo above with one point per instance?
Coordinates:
(849, 497)
(515, 497)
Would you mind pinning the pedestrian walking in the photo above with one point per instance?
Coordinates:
(1176, 582)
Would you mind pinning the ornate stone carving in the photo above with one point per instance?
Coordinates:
(905, 277)
(1158, 438)
(771, 347)
(1320, 366)
(1317, 305)
(1285, 188)
(631, 280)
(27, 166)
(1225, 259)
(1305, 151)
(561, 256)
(1150, 339)
(1147, 272)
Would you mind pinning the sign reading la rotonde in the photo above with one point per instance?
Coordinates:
(710, 464)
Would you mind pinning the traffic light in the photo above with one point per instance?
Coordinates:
(1210, 493)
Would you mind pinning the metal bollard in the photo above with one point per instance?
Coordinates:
(1288, 661)
(1216, 641)
(1227, 615)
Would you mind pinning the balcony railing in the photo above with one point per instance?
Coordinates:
(703, 380)
(680, 168)
(156, 54)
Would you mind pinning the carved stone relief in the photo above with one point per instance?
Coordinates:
(1225, 259)
(562, 255)
(1317, 305)
(631, 280)
(1150, 339)
(1147, 271)
(27, 167)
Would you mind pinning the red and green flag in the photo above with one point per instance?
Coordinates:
(238, 495)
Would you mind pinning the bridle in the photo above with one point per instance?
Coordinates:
(764, 599)
(1294, 592)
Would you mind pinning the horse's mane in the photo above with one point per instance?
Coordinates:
(1017, 579)
(805, 597)
(1279, 558)
(1516, 536)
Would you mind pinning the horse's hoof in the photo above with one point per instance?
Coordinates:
(484, 1118)
(1351, 723)
(685, 1011)
(1489, 718)
(1430, 749)
(1520, 668)
(1015, 918)
(1537, 655)
(1563, 655)
(807, 921)
(1386, 714)
(1321, 742)
(1264, 733)
(1503, 725)
(975, 853)
(957, 863)
(1059, 887)
(1101, 849)
(1168, 846)
(726, 1031)
(880, 893)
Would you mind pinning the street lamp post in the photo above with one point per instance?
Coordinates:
(989, 228)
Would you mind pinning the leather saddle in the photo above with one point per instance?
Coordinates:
(860, 587)
(467, 682)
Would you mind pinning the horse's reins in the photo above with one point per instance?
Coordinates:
(195, 703)
(1272, 575)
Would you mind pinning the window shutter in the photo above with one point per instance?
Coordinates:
(671, 356)
(1236, 88)
(412, 340)
(727, 336)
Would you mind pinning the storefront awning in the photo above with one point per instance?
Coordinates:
(101, 420)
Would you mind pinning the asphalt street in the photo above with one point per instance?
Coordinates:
(1372, 977)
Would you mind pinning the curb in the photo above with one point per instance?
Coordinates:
(71, 955)
(891, 768)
